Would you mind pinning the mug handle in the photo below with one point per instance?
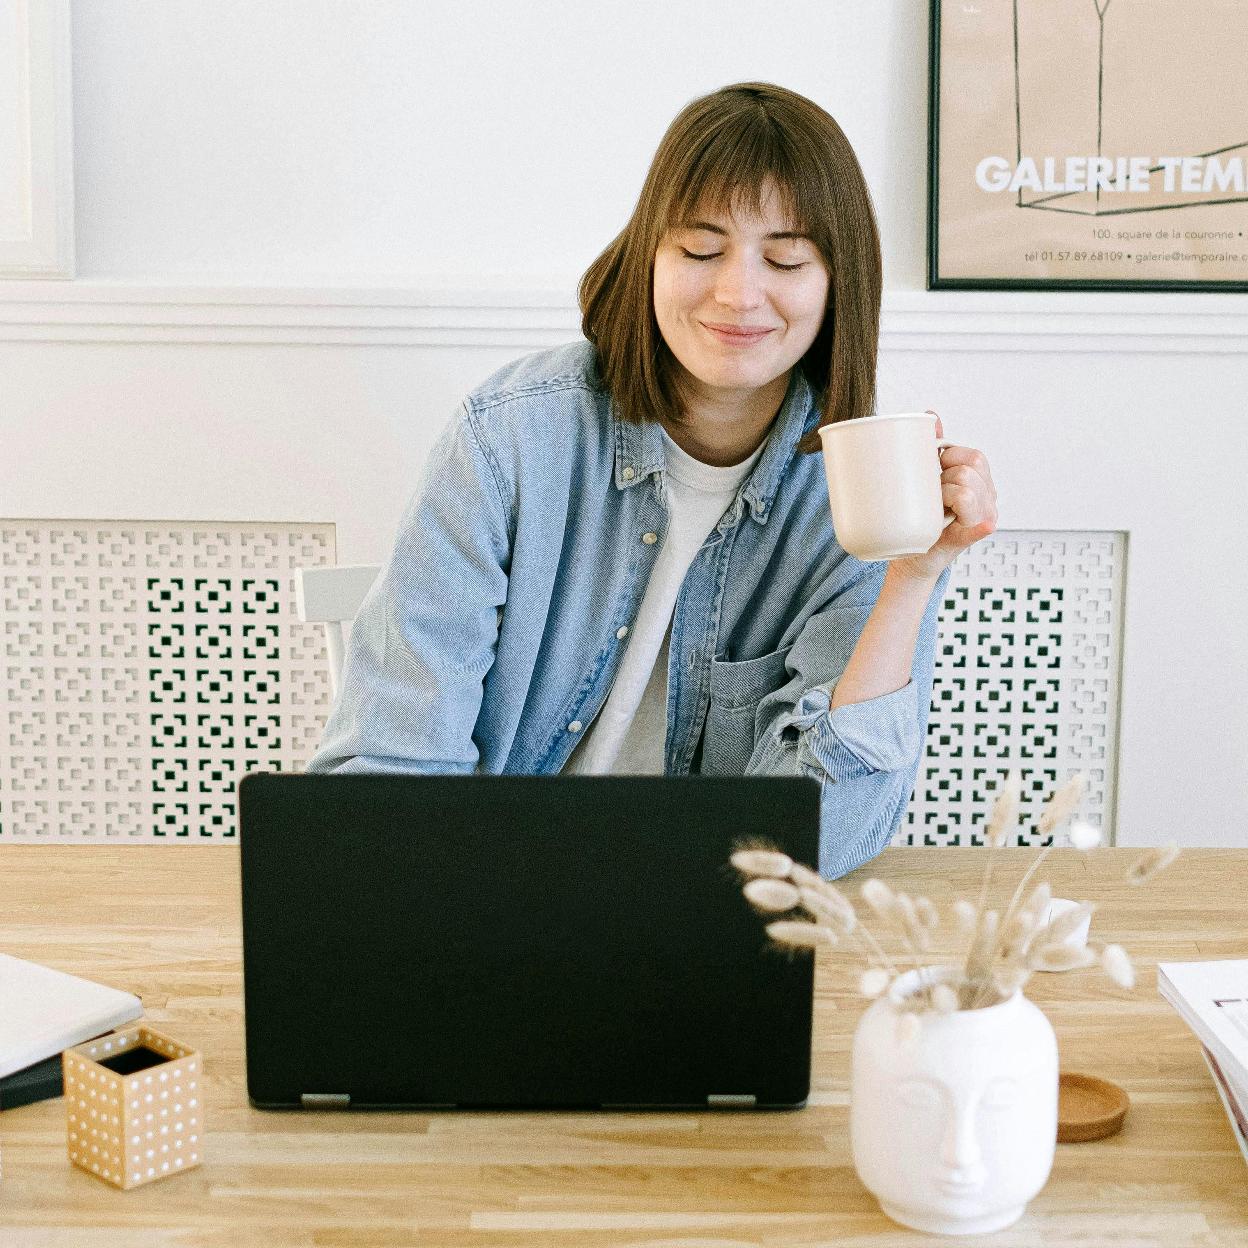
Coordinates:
(941, 443)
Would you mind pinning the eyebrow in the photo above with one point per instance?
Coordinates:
(717, 229)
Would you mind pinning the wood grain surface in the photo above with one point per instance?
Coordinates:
(164, 922)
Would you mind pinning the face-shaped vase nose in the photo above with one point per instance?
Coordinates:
(963, 1165)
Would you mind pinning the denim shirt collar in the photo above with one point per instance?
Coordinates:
(639, 447)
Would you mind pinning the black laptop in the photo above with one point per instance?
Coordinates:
(526, 942)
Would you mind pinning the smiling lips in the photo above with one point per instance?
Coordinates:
(736, 335)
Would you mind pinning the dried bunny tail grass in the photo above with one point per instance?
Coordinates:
(1083, 835)
(1038, 902)
(797, 934)
(1002, 821)
(898, 910)
(981, 946)
(1116, 964)
(1016, 933)
(907, 916)
(1042, 890)
(1008, 980)
(763, 862)
(804, 877)
(837, 914)
(903, 907)
(873, 981)
(929, 916)
(1004, 817)
(1061, 805)
(965, 916)
(1059, 956)
(944, 999)
(970, 992)
(1065, 925)
(1151, 862)
(765, 893)
(879, 897)
(1021, 922)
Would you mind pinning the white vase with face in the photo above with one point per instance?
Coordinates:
(954, 1126)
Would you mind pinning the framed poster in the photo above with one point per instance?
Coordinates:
(1088, 145)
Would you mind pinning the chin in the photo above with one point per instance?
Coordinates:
(740, 376)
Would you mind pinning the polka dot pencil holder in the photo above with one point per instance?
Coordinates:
(134, 1106)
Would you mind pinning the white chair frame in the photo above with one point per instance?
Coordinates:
(332, 597)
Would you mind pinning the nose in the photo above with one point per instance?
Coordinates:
(738, 284)
(959, 1151)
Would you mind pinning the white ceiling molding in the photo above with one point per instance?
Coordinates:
(37, 168)
(1009, 321)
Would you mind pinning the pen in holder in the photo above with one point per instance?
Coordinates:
(134, 1106)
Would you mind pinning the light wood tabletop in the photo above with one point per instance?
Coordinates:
(164, 922)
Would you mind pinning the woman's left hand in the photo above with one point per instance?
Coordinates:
(967, 490)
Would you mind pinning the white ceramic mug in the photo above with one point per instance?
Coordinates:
(884, 484)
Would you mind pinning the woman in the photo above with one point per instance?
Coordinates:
(620, 556)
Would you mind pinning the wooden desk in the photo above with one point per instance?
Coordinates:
(163, 922)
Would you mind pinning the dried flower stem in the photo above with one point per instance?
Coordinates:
(1059, 807)
(828, 903)
(1003, 947)
(1151, 862)
(1004, 816)
(895, 909)
(874, 948)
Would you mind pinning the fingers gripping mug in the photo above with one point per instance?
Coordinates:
(884, 484)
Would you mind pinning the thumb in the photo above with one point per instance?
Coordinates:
(940, 428)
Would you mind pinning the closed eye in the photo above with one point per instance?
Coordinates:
(710, 255)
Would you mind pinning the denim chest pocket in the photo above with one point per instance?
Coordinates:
(736, 690)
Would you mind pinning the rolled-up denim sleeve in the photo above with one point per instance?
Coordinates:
(865, 755)
(427, 633)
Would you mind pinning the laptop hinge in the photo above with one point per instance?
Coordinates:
(732, 1100)
(325, 1100)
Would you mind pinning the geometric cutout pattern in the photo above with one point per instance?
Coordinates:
(1026, 677)
(147, 667)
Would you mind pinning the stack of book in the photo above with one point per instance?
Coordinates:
(1212, 999)
(43, 1012)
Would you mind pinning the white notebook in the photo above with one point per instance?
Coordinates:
(43, 1012)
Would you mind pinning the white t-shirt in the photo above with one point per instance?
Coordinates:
(629, 735)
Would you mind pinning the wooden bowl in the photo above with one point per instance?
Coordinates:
(1088, 1108)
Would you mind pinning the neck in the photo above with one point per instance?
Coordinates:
(725, 428)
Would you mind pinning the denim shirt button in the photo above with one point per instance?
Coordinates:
(621, 632)
(575, 726)
(628, 474)
(649, 538)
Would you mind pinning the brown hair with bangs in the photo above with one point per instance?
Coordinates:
(716, 155)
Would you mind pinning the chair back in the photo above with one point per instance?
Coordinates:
(332, 596)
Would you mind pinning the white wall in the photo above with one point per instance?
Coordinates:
(401, 141)
(305, 229)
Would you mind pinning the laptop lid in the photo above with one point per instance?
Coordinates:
(519, 941)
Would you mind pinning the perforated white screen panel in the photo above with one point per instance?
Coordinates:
(1027, 676)
(147, 667)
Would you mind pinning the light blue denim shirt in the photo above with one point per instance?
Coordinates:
(491, 638)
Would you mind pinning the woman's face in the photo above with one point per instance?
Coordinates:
(715, 275)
